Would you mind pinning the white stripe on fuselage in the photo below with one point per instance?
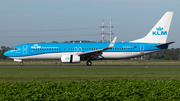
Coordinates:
(105, 55)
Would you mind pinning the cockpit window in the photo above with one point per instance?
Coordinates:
(14, 48)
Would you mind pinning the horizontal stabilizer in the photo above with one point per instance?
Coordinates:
(164, 44)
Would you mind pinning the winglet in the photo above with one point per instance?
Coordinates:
(112, 43)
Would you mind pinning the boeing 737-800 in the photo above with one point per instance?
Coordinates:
(154, 41)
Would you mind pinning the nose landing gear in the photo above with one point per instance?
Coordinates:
(88, 63)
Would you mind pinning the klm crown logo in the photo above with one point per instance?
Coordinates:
(67, 58)
(159, 31)
(35, 46)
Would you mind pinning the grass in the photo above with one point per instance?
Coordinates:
(81, 74)
(95, 62)
(49, 83)
(101, 90)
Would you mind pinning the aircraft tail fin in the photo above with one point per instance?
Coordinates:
(159, 32)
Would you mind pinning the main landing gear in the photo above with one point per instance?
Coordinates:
(21, 64)
(88, 63)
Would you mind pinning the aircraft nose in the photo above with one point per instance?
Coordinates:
(6, 53)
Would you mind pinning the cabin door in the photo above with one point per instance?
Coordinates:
(142, 49)
(25, 49)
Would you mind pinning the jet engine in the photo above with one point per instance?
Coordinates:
(70, 58)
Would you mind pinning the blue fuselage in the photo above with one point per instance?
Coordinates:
(35, 49)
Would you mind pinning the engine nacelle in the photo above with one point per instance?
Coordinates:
(70, 58)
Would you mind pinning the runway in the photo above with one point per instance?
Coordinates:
(76, 66)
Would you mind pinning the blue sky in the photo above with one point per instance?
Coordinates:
(31, 21)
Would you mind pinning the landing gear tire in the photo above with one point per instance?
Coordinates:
(21, 63)
(88, 63)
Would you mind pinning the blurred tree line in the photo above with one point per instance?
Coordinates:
(168, 54)
(2, 50)
(77, 41)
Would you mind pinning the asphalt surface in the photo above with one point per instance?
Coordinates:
(61, 66)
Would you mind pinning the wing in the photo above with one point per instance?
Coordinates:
(99, 51)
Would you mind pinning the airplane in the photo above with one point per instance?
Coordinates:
(154, 41)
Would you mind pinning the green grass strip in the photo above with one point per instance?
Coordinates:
(80, 74)
(109, 90)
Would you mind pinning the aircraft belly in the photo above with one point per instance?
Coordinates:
(48, 56)
(105, 55)
(121, 55)
(118, 55)
(42, 56)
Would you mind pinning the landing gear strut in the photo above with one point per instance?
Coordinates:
(89, 63)
(21, 63)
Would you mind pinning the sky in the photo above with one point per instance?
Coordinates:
(34, 21)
